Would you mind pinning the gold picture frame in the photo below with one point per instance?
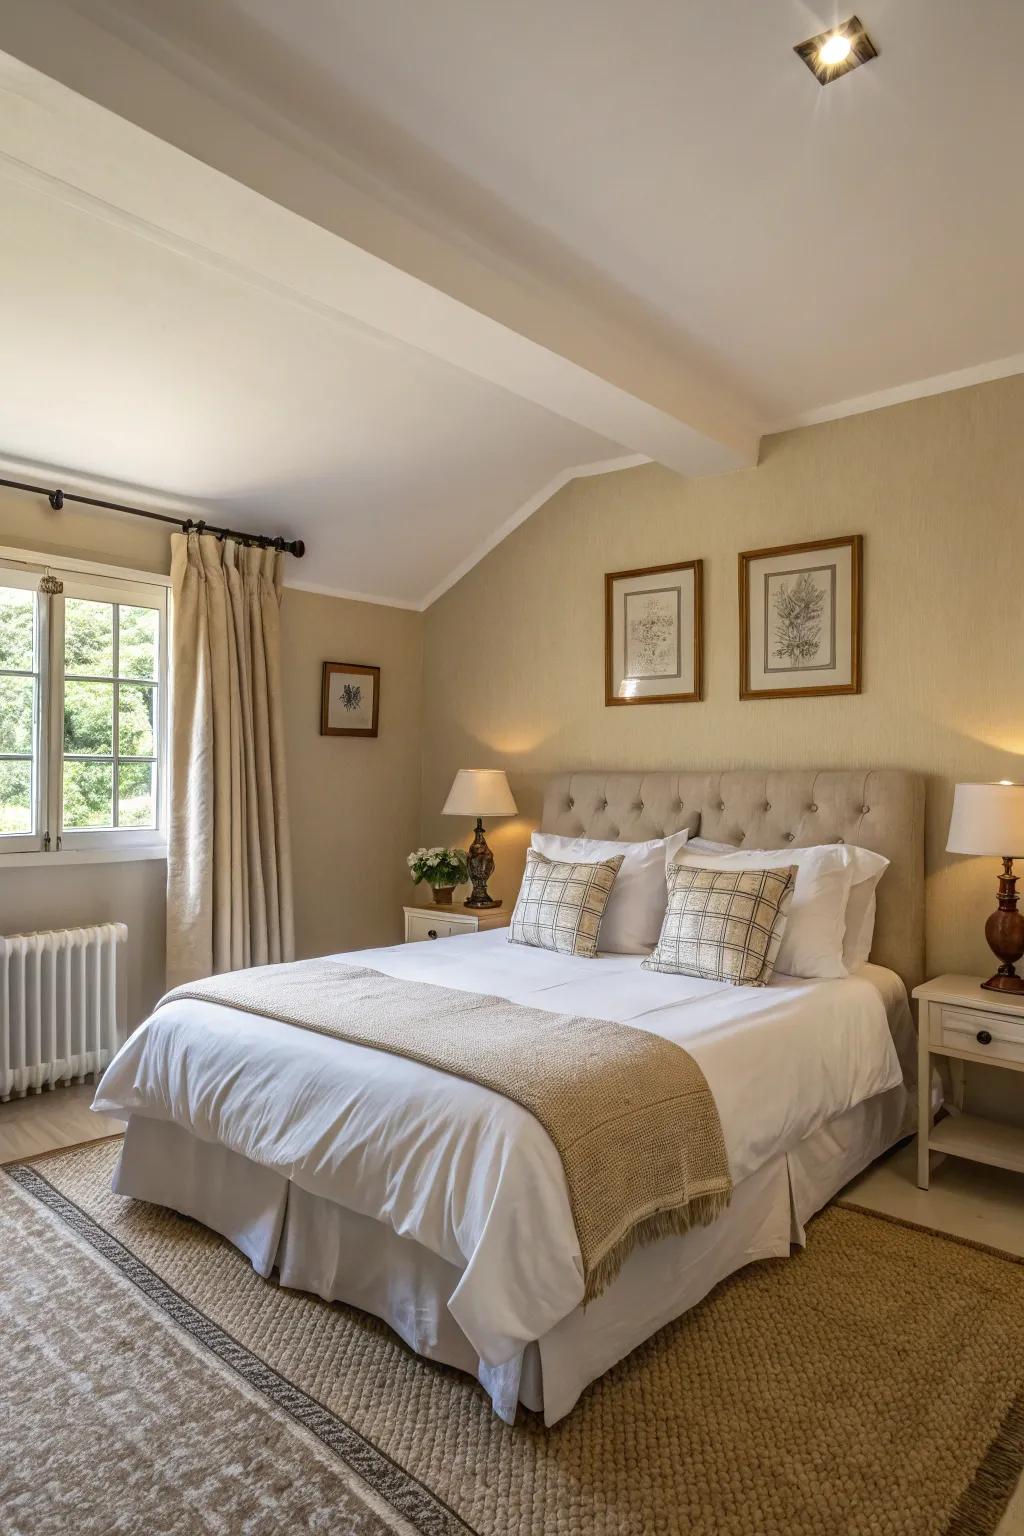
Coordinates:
(800, 619)
(654, 634)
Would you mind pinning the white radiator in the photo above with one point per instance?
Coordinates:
(62, 1006)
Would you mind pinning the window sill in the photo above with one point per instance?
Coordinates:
(132, 855)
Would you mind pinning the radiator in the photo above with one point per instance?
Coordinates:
(62, 1006)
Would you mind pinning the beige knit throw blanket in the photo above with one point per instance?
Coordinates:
(630, 1114)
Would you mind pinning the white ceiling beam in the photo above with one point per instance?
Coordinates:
(347, 250)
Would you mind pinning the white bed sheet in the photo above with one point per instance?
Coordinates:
(465, 1173)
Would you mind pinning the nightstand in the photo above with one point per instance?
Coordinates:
(448, 922)
(956, 1019)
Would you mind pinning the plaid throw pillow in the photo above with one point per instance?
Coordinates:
(560, 906)
(723, 925)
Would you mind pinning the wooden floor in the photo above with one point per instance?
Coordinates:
(965, 1199)
(60, 1117)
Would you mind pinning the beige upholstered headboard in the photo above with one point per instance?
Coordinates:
(877, 808)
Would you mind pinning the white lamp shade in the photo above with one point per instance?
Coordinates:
(987, 818)
(480, 792)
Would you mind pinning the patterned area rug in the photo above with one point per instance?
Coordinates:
(152, 1383)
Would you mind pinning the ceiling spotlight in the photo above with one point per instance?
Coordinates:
(834, 53)
(835, 49)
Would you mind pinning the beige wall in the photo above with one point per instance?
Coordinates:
(514, 654)
(354, 804)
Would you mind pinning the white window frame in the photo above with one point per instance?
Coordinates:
(50, 844)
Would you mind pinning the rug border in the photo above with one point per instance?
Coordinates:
(419, 1505)
(983, 1503)
(919, 1226)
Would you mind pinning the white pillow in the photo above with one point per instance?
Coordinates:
(705, 845)
(860, 913)
(867, 869)
(812, 944)
(633, 917)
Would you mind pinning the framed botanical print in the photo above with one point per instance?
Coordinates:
(653, 634)
(800, 619)
(349, 699)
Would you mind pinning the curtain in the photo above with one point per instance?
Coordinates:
(229, 883)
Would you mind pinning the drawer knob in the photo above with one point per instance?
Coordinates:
(984, 1038)
(432, 934)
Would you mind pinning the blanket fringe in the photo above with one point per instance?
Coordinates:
(701, 1211)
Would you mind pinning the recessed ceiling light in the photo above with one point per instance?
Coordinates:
(834, 53)
(835, 49)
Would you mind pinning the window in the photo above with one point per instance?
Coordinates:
(82, 710)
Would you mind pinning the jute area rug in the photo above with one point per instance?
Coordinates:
(150, 1382)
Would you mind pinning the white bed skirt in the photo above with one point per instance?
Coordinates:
(319, 1246)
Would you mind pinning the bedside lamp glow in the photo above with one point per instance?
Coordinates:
(480, 792)
(988, 819)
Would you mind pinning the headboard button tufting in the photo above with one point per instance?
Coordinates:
(721, 805)
(570, 803)
(767, 805)
(865, 809)
(837, 839)
(790, 837)
(812, 807)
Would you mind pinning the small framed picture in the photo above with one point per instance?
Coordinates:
(800, 619)
(653, 635)
(349, 699)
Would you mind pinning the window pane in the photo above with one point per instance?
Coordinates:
(136, 802)
(88, 637)
(89, 718)
(137, 642)
(16, 699)
(88, 795)
(135, 720)
(17, 628)
(15, 797)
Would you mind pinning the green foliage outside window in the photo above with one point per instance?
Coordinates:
(90, 692)
(17, 696)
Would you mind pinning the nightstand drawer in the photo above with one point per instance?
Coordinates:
(976, 1032)
(424, 925)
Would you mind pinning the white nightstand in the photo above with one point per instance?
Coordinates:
(448, 922)
(956, 1019)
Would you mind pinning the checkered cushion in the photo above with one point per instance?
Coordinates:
(723, 925)
(560, 906)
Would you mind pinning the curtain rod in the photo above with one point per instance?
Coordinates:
(57, 499)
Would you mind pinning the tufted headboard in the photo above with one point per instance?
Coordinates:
(877, 808)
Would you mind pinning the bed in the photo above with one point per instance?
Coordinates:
(440, 1207)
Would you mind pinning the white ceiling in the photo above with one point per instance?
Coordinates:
(134, 360)
(634, 229)
(675, 159)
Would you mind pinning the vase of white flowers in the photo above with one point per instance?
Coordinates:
(442, 869)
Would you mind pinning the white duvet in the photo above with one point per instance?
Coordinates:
(463, 1171)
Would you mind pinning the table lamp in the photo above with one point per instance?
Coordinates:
(480, 792)
(989, 819)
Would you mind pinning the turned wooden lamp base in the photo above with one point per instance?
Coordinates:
(1005, 934)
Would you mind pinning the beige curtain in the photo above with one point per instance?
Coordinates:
(229, 883)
